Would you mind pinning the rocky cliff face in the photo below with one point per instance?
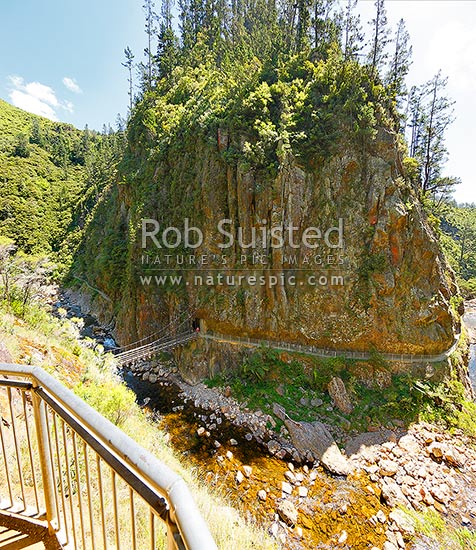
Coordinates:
(301, 149)
(396, 289)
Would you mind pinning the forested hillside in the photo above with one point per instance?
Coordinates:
(457, 225)
(51, 175)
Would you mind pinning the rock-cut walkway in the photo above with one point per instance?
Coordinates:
(320, 352)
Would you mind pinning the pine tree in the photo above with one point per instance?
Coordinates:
(431, 114)
(197, 17)
(167, 50)
(22, 147)
(415, 124)
(186, 26)
(217, 27)
(151, 31)
(60, 149)
(326, 27)
(380, 39)
(129, 64)
(37, 136)
(288, 23)
(352, 31)
(438, 117)
(303, 24)
(400, 62)
(236, 24)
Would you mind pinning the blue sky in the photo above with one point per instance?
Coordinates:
(44, 42)
(62, 58)
(443, 36)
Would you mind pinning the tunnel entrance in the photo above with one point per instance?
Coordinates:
(196, 324)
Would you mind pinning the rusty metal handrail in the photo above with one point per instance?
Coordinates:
(59, 441)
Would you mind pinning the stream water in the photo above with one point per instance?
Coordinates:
(332, 505)
(331, 509)
(469, 319)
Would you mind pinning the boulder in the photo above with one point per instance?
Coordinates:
(367, 445)
(388, 467)
(392, 494)
(339, 395)
(279, 411)
(247, 470)
(403, 521)
(409, 444)
(343, 537)
(290, 476)
(436, 450)
(454, 457)
(273, 446)
(315, 439)
(286, 487)
(441, 493)
(287, 512)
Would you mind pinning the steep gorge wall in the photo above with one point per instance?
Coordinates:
(397, 286)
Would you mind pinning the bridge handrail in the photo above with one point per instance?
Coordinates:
(161, 342)
(142, 471)
(320, 352)
(153, 337)
(153, 347)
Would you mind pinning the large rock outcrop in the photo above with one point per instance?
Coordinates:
(391, 289)
(396, 290)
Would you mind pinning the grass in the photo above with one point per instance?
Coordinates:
(266, 378)
(51, 343)
(434, 528)
(294, 380)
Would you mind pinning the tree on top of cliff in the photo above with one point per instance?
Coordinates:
(352, 32)
(238, 45)
(400, 61)
(431, 114)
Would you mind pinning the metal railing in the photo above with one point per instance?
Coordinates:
(95, 488)
(320, 352)
(149, 350)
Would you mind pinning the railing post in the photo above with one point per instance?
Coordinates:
(174, 540)
(39, 413)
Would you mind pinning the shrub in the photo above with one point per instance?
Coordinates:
(113, 401)
(257, 366)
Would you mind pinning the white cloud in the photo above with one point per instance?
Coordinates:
(72, 85)
(43, 93)
(17, 81)
(36, 98)
(68, 106)
(32, 104)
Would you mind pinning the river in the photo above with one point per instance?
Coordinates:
(469, 319)
(332, 512)
(332, 509)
